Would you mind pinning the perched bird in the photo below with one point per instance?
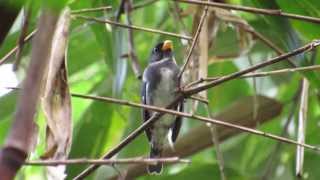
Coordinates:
(159, 88)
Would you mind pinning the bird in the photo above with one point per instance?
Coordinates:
(159, 88)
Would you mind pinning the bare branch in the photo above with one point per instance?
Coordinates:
(271, 12)
(307, 47)
(260, 74)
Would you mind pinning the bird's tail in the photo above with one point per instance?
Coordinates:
(155, 168)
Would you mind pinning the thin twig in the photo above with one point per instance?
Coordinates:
(105, 161)
(271, 12)
(216, 143)
(194, 42)
(302, 127)
(305, 48)
(104, 8)
(106, 21)
(260, 74)
(14, 50)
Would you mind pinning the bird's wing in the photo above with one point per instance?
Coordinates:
(178, 122)
(145, 112)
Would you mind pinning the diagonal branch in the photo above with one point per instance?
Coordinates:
(260, 74)
(307, 47)
(271, 12)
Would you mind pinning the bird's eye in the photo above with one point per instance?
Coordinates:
(155, 50)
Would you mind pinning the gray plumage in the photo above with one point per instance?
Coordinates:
(160, 82)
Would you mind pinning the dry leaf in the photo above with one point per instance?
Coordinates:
(56, 101)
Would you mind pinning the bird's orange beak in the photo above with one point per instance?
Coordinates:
(167, 45)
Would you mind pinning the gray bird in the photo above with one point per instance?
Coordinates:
(160, 82)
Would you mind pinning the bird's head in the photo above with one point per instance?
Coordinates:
(162, 50)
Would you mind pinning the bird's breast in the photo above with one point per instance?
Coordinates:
(165, 94)
(167, 85)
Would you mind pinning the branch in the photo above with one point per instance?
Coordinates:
(106, 21)
(308, 47)
(260, 74)
(105, 161)
(271, 12)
